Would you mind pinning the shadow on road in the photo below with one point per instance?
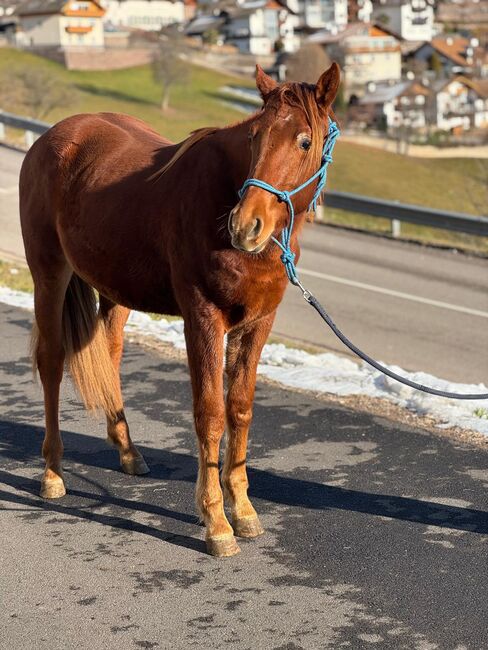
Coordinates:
(21, 442)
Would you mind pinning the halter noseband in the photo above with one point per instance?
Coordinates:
(288, 256)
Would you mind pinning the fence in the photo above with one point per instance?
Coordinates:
(397, 212)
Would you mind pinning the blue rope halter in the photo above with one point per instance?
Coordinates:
(287, 255)
(288, 259)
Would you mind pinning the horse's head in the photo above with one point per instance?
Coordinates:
(286, 140)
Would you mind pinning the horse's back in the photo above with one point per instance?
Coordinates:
(79, 153)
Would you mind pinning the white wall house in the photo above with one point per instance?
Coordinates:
(461, 103)
(413, 20)
(61, 23)
(257, 31)
(372, 55)
(331, 15)
(393, 105)
(143, 14)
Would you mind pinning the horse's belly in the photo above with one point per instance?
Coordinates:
(127, 272)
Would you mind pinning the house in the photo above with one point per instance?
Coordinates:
(412, 20)
(460, 104)
(456, 104)
(61, 23)
(261, 28)
(330, 15)
(365, 52)
(454, 55)
(392, 105)
(143, 14)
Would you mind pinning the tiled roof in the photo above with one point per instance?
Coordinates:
(40, 7)
(385, 92)
(452, 48)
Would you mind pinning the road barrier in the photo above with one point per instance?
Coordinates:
(393, 210)
(398, 212)
(30, 126)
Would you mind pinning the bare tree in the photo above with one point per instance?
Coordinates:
(307, 64)
(35, 91)
(168, 68)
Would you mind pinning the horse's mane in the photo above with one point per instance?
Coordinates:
(299, 95)
(193, 138)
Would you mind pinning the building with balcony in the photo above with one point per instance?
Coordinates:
(261, 28)
(390, 106)
(60, 23)
(460, 104)
(331, 15)
(412, 20)
(143, 14)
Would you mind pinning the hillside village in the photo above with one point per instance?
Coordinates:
(417, 67)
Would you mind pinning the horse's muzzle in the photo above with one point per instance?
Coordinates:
(246, 232)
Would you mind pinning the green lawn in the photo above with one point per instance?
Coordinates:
(134, 91)
(452, 184)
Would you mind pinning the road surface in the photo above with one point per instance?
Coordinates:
(376, 532)
(418, 307)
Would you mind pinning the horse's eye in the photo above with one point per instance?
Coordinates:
(305, 144)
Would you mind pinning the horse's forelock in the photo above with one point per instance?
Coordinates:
(302, 96)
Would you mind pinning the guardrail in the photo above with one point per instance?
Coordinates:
(399, 212)
(393, 210)
(30, 126)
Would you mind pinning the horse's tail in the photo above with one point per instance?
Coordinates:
(86, 349)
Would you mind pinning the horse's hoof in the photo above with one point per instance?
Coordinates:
(222, 546)
(247, 527)
(52, 489)
(136, 466)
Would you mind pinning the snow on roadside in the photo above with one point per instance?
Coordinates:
(326, 373)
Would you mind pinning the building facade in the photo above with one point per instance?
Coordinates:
(413, 20)
(143, 14)
(61, 23)
(370, 56)
(262, 30)
(461, 104)
(331, 15)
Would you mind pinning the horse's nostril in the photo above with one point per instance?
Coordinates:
(256, 229)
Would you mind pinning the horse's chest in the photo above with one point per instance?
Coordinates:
(248, 290)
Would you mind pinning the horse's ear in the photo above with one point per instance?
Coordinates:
(327, 86)
(264, 83)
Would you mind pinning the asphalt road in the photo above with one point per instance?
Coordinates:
(417, 307)
(376, 532)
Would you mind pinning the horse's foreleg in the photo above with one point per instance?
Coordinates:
(131, 460)
(244, 348)
(49, 355)
(204, 335)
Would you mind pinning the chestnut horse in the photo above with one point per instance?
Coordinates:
(107, 204)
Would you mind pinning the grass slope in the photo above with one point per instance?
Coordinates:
(453, 184)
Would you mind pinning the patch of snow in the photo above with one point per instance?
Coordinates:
(326, 373)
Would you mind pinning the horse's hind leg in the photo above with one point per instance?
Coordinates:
(49, 354)
(131, 460)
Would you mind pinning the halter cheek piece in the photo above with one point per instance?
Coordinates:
(288, 256)
(288, 259)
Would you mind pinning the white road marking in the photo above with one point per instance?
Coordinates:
(396, 294)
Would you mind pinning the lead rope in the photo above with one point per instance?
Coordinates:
(288, 259)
